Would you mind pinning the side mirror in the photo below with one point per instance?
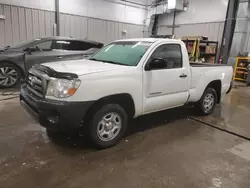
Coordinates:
(30, 50)
(157, 63)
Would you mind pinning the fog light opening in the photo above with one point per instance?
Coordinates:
(53, 119)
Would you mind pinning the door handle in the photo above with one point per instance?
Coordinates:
(183, 75)
(59, 57)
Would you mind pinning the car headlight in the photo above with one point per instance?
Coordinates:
(62, 88)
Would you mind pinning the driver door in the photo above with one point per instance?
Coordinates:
(42, 54)
(166, 86)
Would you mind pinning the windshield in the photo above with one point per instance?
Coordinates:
(123, 53)
(25, 44)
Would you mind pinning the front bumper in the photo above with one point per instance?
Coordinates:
(52, 114)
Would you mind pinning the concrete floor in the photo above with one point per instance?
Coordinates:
(164, 149)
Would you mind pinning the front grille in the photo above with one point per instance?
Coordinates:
(35, 86)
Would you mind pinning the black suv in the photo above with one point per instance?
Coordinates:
(16, 60)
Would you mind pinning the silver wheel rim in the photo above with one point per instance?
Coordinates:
(8, 76)
(109, 126)
(208, 102)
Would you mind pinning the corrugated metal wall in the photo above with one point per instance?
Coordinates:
(247, 43)
(22, 24)
(96, 29)
(213, 30)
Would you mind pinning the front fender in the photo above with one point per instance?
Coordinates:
(99, 85)
(18, 60)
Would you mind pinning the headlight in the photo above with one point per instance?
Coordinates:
(62, 88)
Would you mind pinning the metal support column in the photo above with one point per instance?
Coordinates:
(235, 30)
(173, 30)
(57, 17)
(228, 30)
(154, 29)
(240, 31)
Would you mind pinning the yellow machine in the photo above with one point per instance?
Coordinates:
(240, 68)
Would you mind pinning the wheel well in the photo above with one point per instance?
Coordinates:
(124, 100)
(216, 85)
(12, 63)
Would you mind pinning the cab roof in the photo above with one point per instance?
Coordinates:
(69, 38)
(153, 40)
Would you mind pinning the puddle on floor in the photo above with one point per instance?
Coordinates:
(242, 150)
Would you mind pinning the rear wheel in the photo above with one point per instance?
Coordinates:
(10, 75)
(208, 101)
(107, 126)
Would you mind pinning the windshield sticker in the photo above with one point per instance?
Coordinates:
(145, 44)
(109, 48)
(138, 43)
(62, 42)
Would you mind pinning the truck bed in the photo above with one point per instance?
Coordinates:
(202, 74)
(205, 65)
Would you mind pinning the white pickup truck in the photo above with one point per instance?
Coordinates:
(125, 79)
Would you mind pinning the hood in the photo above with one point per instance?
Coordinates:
(11, 55)
(10, 52)
(83, 66)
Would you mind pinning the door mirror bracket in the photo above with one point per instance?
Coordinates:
(155, 64)
(30, 50)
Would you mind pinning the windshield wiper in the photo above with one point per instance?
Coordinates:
(106, 61)
(93, 59)
(116, 63)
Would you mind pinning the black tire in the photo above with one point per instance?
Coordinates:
(17, 77)
(91, 126)
(201, 106)
(52, 133)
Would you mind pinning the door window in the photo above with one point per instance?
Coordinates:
(45, 46)
(171, 53)
(73, 45)
(60, 45)
(80, 46)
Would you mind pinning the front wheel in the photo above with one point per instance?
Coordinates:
(10, 75)
(207, 102)
(107, 126)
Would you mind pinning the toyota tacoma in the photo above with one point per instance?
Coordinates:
(125, 79)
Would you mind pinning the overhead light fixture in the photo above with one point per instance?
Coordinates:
(171, 4)
(2, 17)
(124, 32)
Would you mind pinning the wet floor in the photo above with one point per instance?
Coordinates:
(164, 149)
(234, 113)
